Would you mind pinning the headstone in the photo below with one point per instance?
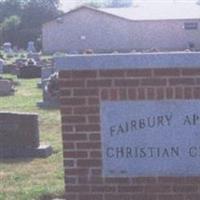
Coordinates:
(31, 62)
(6, 87)
(31, 47)
(1, 66)
(16, 49)
(19, 136)
(45, 74)
(48, 100)
(20, 62)
(10, 69)
(50, 92)
(35, 56)
(7, 47)
(30, 70)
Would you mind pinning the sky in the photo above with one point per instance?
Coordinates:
(69, 4)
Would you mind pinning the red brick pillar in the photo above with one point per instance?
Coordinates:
(81, 94)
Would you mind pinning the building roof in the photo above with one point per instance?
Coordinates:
(157, 11)
(146, 10)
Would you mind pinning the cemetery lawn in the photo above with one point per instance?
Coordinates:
(33, 179)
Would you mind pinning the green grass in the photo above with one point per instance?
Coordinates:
(11, 59)
(33, 179)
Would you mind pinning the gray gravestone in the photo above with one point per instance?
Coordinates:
(29, 72)
(6, 87)
(7, 47)
(50, 98)
(31, 47)
(151, 138)
(1, 66)
(19, 136)
(45, 73)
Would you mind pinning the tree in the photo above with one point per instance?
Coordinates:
(95, 4)
(9, 8)
(119, 3)
(9, 27)
(11, 23)
(38, 12)
(32, 14)
(109, 3)
(35, 13)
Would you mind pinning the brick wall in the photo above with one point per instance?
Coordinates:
(81, 94)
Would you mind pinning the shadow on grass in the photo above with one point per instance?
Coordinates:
(52, 196)
(16, 160)
(49, 108)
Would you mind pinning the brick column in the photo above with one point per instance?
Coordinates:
(81, 95)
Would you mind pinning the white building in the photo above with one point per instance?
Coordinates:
(164, 26)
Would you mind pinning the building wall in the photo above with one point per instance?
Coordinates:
(81, 94)
(165, 35)
(102, 32)
(89, 29)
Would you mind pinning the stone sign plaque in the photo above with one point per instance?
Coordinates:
(151, 138)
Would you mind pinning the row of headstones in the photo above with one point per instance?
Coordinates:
(34, 71)
(7, 47)
(29, 67)
(31, 70)
(19, 132)
(49, 73)
(26, 126)
(6, 85)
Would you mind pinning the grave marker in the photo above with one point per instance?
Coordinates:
(6, 87)
(19, 136)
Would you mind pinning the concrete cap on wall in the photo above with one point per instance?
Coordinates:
(129, 61)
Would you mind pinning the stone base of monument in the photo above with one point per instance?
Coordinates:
(39, 85)
(43, 151)
(10, 69)
(29, 72)
(48, 104)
